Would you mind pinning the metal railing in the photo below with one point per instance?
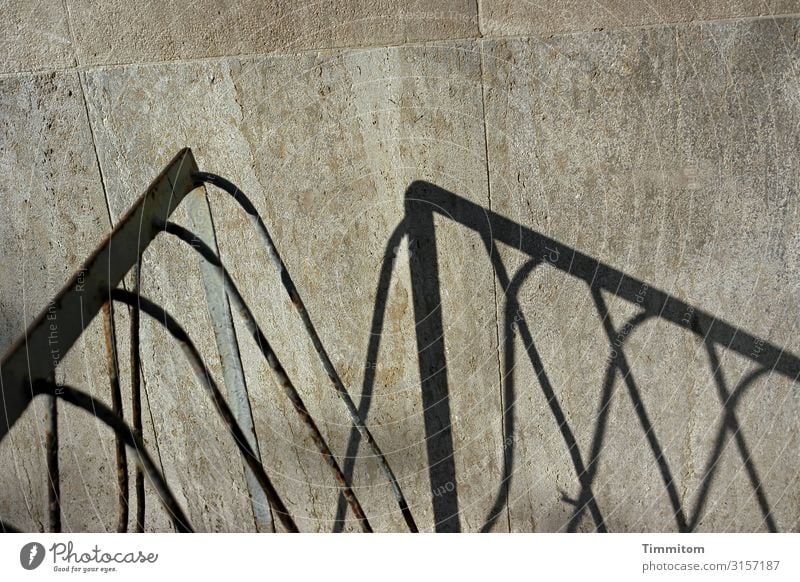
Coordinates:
(28, 368)
(95, 288)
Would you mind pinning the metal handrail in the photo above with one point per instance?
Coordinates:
(27, 369)
(94, 288)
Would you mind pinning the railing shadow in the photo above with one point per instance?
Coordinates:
(91, 289)
(423, 201)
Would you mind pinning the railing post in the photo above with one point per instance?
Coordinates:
(432, 360)
(219, 310)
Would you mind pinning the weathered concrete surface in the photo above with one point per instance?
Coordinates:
(667, 153)
(171, 275)
(353, 130)
(34, 34)
(123, 32)
(56, 216)
(198, 455)
(326, 145)
(510, 17)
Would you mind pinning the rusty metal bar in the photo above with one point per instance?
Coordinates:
(219, 311)
(116, 405)
(274, 364)
(207, 381)
(28, 368)
(61, 323)
(136, 397)
(330, 370)
(132, 441)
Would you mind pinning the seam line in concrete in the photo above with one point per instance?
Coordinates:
(111, 226)
(79, 72)
(94, 149)
(73, 45)
(88, 117)
(282, 52)
(532, 36)
(494, 280)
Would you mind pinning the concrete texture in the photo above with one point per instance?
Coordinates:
(354, 129)
(511, 17)
(34, 35)
(667, 152)
(56, 188)
(120, 32)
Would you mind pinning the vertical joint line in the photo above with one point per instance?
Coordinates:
(478, 18)
(490, 248)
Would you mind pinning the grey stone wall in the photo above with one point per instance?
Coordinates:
(658, 138)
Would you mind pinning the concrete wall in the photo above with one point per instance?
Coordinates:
(657, 137)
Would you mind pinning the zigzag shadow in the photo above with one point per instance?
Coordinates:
(424, 200)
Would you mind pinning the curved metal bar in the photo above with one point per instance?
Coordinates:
(204, 376)
(233, 380)
(330, 370)
(73, 308)
(129, 437)
(283, 379)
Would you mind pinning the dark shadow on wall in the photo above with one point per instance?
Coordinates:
(12, 322)
(422, 202)
(425, 285)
